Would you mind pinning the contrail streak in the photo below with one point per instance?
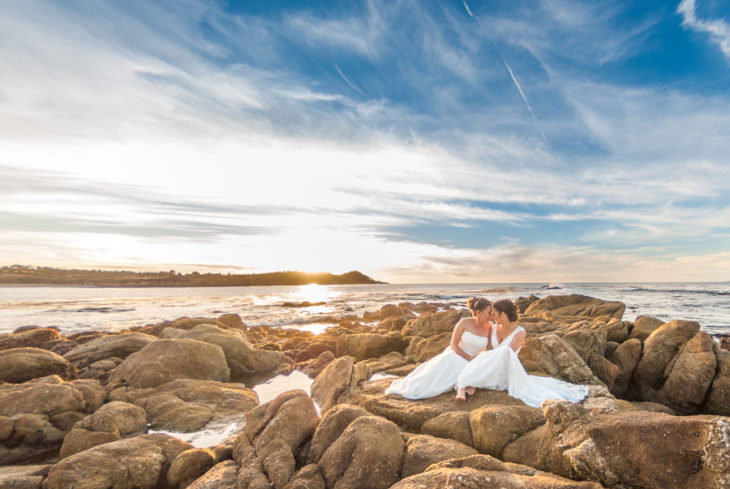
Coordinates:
(524, 97)
(347, 80)
(466, 6)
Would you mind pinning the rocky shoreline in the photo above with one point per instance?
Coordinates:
(77, 410)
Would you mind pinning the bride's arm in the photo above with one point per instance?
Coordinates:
(456, 339)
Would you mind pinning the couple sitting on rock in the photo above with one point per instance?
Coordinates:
(483, 354)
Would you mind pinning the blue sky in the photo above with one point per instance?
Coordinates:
(454, 141)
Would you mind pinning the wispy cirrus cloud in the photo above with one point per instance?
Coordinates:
(718, 29)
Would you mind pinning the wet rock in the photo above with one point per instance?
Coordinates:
(189, 466)
(19, 365)
(332, 382)
(364, 346)
(659, 349)
(118, 345)
(435, 323)
(138, 462)
(552, 355)
(368, 454)
(577, 305)
(479, 471)
(186, 405)
(29, 338)
(424, 450)
(453, 425)
(222, 475)
(689, 375)
(493, 427)
(331, 426)
(622, 449)
(164, 360)
(626, 357)
(111, 422)
(718, 399)
(240, 355)
(644, 326)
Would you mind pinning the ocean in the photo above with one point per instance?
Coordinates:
(315, 307)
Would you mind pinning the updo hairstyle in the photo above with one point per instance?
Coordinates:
(506, 306)
(477, 304)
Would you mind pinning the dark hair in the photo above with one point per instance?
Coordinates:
(506, 306)
(477, 304)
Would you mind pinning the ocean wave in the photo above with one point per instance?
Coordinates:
(678, 291)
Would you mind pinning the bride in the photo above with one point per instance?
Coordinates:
(500, 368)
(439, 374)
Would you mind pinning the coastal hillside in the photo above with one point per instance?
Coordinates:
(28, 275)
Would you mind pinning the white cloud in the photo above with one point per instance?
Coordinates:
(718, 30)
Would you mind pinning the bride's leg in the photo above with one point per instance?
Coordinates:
(460, 395)
(470, 391)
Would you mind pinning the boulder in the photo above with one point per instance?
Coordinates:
(576, 305)
(138, 462)
(232, 321)
(30, 338)
(19, 365)
(617, 330)
(718, 399)
(626, 357)
(222, 475)
(23, 476)
(308, 477)
(100, 370)
(644, 326)
(331, 426)
(50, 396)
(453, 425)
(522, 303)
(622, 449)
(422, 349)
(316, 366)
(689, 375)
(332, 382)
(364, 346)
(242, 358)
(111, 422)
(164, 360)
(186, 405)
(435, 323)
(483, 471)
(189, 466)
(659, 348)
(117, 345)
(367, 455)
(424, 450)
(552, 355)
(315, 349)
(25, 437)
(493, 427)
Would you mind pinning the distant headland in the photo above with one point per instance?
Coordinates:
(30, 275)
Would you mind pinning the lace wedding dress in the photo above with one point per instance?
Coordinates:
(500, 369)
(438, 374)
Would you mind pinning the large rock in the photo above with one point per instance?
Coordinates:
(425, 450)
(368, 455)
(659, 349)
(575, 306)
(644, 326)
(332, 382)
(422, 349)
(111, 422)
(689, 375)
(30, 338)
(718, 399)
(118, 346)
(186, 405)
(364, 346)
(617, 330)
(19, 365)
(435, 323)
(138, 463)
(23, 476)
(330, 428)
(630, 449)
(242, 358)
(454, 425)
(164, 360)
(222, 476)
(189, 466)
(493, 427)
(552, 355)
(26, 437)
(626, 357)
(483, 471)
(51, 397)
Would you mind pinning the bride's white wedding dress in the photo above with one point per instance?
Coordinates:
(500, 369)
(439, 374)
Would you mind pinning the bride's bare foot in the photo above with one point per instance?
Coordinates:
(460, 395)
(470, 391)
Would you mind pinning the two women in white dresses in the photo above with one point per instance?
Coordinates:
(483, 354)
